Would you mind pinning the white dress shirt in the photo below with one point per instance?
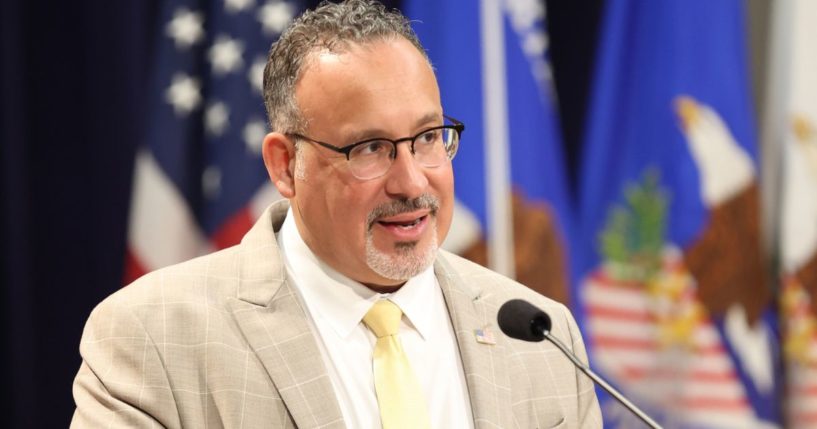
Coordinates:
(336, 306)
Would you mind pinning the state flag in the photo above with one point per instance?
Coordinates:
(513, 210)
(673, 296)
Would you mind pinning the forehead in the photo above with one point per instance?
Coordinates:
(382, 81)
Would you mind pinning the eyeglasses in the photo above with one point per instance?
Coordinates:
(370, 159)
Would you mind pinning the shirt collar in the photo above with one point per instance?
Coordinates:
(342, 302)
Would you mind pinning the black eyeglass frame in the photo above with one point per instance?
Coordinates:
(457, 126)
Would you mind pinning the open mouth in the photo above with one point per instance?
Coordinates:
(404, 215)
(405, 224)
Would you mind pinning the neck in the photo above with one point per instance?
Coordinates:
(384, 288)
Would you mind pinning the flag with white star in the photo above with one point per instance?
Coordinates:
(199, 179)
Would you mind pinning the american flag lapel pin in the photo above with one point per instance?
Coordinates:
(485, 336)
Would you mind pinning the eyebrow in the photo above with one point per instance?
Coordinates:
(373, 133)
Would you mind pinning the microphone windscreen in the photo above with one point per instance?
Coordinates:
(522, 320)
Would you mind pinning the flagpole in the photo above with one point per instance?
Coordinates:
(495, 124)
(777, 121)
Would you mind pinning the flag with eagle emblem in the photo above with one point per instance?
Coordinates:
(672, 289)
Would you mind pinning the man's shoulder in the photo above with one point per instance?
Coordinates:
(495, 287)
(203, 281)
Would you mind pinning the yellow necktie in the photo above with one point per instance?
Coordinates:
(398, 392)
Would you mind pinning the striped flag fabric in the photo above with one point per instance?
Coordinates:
(513, 211)
(672, 292)
(199, 181)
(792, 128)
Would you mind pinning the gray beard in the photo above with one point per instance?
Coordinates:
(407, 261)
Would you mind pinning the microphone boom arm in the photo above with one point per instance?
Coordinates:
(600, 381)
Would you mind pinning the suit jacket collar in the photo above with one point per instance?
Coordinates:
(261, 265)
(486, 373)
(270, 315)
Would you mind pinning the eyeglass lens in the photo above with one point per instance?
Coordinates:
(431, 149)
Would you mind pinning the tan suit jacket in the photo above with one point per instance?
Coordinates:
(223, 341)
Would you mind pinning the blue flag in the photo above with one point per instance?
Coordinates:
(673, 298)
(199, 180)
(513, 212)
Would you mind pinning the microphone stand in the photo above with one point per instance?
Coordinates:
(600, 381)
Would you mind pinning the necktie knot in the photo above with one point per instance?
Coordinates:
(383, 319)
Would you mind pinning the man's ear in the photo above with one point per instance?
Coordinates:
(279, 158)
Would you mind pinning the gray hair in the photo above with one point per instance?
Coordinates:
(330, 27)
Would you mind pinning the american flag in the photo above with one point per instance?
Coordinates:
(199, 179)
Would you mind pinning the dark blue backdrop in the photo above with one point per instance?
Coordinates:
(73, 77)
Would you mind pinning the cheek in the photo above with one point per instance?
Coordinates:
(351, 207)
(441, 181)
(443, 187)
(444, 218)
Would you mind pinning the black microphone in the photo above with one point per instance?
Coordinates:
(522, 320)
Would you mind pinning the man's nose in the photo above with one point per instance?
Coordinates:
(406, 178)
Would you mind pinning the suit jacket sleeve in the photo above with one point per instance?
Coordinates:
(122, 382)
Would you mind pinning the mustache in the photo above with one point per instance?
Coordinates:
(396, 207)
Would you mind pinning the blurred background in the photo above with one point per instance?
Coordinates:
(651, 164)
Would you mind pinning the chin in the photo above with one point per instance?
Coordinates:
(404, 260)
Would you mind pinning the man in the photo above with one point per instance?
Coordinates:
(282, 330)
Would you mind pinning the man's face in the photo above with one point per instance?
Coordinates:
(384, 230)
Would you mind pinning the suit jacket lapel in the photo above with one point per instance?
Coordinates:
(269, 314)
(486, 374)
